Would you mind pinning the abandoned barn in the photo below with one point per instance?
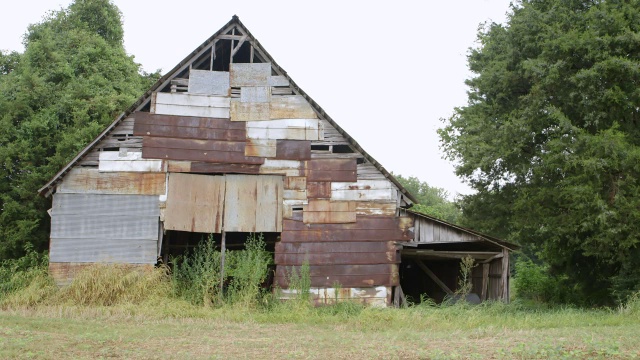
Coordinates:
(227, 144)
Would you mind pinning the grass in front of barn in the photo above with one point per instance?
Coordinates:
(179, 330)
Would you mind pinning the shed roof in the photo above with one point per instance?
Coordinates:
(47, 189)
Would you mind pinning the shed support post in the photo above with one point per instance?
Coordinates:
(485, 281)
(504, 283)
(223, 249)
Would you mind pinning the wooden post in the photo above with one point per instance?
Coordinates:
(485, 281)
(223, 246)
(504, 283)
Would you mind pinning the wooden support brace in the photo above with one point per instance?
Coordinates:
(433, 277)
(485, 281)
(237, 47)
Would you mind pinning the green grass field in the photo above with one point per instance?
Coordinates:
(180, 331)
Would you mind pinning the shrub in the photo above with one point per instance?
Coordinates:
(18, 274)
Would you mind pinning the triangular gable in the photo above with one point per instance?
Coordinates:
(231, 42)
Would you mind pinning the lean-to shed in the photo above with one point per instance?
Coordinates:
(227, 144)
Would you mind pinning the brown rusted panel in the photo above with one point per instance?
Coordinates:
(193, 144)
(264, 148)
(318, 190)
(86, 180)
(178, 166)
(341, 170)
(200, 155)
(253, 203)
(321, 211)
(375, 208)
(295, 183)
(389, 257)
(192, 132)
(194, 203)
(214, 168)
(336, 247)
(293, 150)
(364, 222)
(328, 235)
(144, 119)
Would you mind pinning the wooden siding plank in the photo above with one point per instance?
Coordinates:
(285, 129)
(344, 275)
(178, 166)
(250, 74)
(364, 223)
(110, 161)
(291, 107)
(293, 149)
(86, 180)
(209, 82)
(194, 203)
(263, 148)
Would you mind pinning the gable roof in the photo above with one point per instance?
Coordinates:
(501, 243)
(235, 22)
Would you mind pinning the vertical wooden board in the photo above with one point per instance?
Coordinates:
(240, 203)
(262, 148)
(291, 107)
(295, 183)
(255, 94)
(293, 149)
(269, 193)
(319, 190)
(209, 82)
(249, 74)
(194, 203)
(249, 111)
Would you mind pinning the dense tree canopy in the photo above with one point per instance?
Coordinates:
(432, 200)
(73, 78)
(550, 139)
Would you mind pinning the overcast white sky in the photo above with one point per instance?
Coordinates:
(387, 72)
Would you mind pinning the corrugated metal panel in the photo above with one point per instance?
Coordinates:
(250, 74)
(86, 180)
(194, 203)
(192, 105)
(285, 129)
(255, 94)
(245, 111)
(253, 203)
(291, 107)
(209, 82)
(366, 228)
(104, 228)
(132, 161)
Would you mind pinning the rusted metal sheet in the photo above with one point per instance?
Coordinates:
(200, 155)
(188, 127)
(318, 190)
(178, 166)
(250, 74)
(64, 272)
(244, 111)
(110, 161)
(335, 247)
(194, 144)
(295, 183)
(255, 94)
(291, 107)
(321, 211)
(195, 203)
(104, 228)
(192, 105)
(282, 167)
(343, 170)
(264, 148)
(338, 258)
(253, 203)
(213, 168)
(343, 275)
(375, 208)
(91, 181)
(209, 82)
(285, 129)
(293, 150)
(364, 190)
(366, 228)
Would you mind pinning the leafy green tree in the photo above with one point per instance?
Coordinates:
(432, 201)
(550, 139)
(72, 80)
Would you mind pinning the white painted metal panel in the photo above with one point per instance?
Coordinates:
(192, 105)
(364, 190)
(278, 81)
(209, 82)
(285, 129)
(250, 74)
(132, 161)
(283, 167)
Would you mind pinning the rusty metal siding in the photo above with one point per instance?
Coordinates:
(364, 190)
(104, 228)
(91, 181)
(343, 170)
(291, 107)
(343, 275)
(263, 148)
(293, 150)
(186, 127)
(209, 82)
(285, 129)
(195, 203)
(213, 168)
(197, 150)
(253, 203)
(241, 111)
(322, 211)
